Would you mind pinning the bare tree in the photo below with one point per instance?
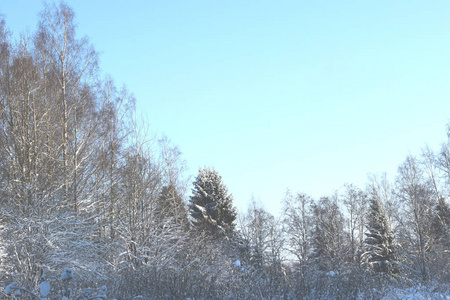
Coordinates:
(355, 201)
(416, 196)
(114, 131)
(69, 67)
(298, 223)
(328, 234)
(442, 159)
(47, 105)
(256, 229)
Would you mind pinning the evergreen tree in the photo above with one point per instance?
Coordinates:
(441, 222)
(379, 242)
(211, 207)
(171, 206)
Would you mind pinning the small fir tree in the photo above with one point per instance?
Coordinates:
(211, 206)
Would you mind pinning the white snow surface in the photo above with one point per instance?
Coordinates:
(415, 293)
(44, 288)
(67, 274)
(104, 289)
(8, 288)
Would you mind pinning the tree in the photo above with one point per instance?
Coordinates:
(262, 257)
(69, 66)
(211, 207)
(171, 204)
(441, 222)
(440, 233)
(41, 230)
(298, 226)
(442, 160)
(416, 198)
(171, 208)
(328, 234)
(257, 228)
(115, 111)
(355, 202)
(379, 243)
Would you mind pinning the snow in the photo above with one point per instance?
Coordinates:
(415, 293)
(8, 289)
(67, 274)
(44, 288)
(332, 273)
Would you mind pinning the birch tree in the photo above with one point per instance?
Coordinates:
(416, 197)
(328, 234)
(355, 202)
(298, 222)
(69, 67)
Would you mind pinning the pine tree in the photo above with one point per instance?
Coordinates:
(211, 207)
(379, 242)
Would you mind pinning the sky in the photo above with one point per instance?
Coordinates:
(277, 95)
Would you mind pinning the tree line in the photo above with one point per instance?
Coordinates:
(84, 184)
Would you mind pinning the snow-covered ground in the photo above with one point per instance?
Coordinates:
(412, 293)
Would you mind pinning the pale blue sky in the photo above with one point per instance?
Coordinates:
(306, 95)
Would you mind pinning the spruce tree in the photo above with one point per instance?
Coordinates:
(440, 225)
(379, 242)
(211, 206)
(171, 206)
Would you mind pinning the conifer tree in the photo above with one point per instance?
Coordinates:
(379, 242)
(441, 222)
(171, 206)
(211, 206)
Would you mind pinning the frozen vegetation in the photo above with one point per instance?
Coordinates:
(93, 207)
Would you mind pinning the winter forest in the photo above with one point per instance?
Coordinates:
(95, 206)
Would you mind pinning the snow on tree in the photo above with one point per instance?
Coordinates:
(355, 202)
(327, 234)
(261, 233)
(440, 232)
(416, 199)
(211, 206)
(9, 288)
(441, 222)
(298, 224)
(67, 274)
(379, 243)
(170, 206)
(44, 288)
